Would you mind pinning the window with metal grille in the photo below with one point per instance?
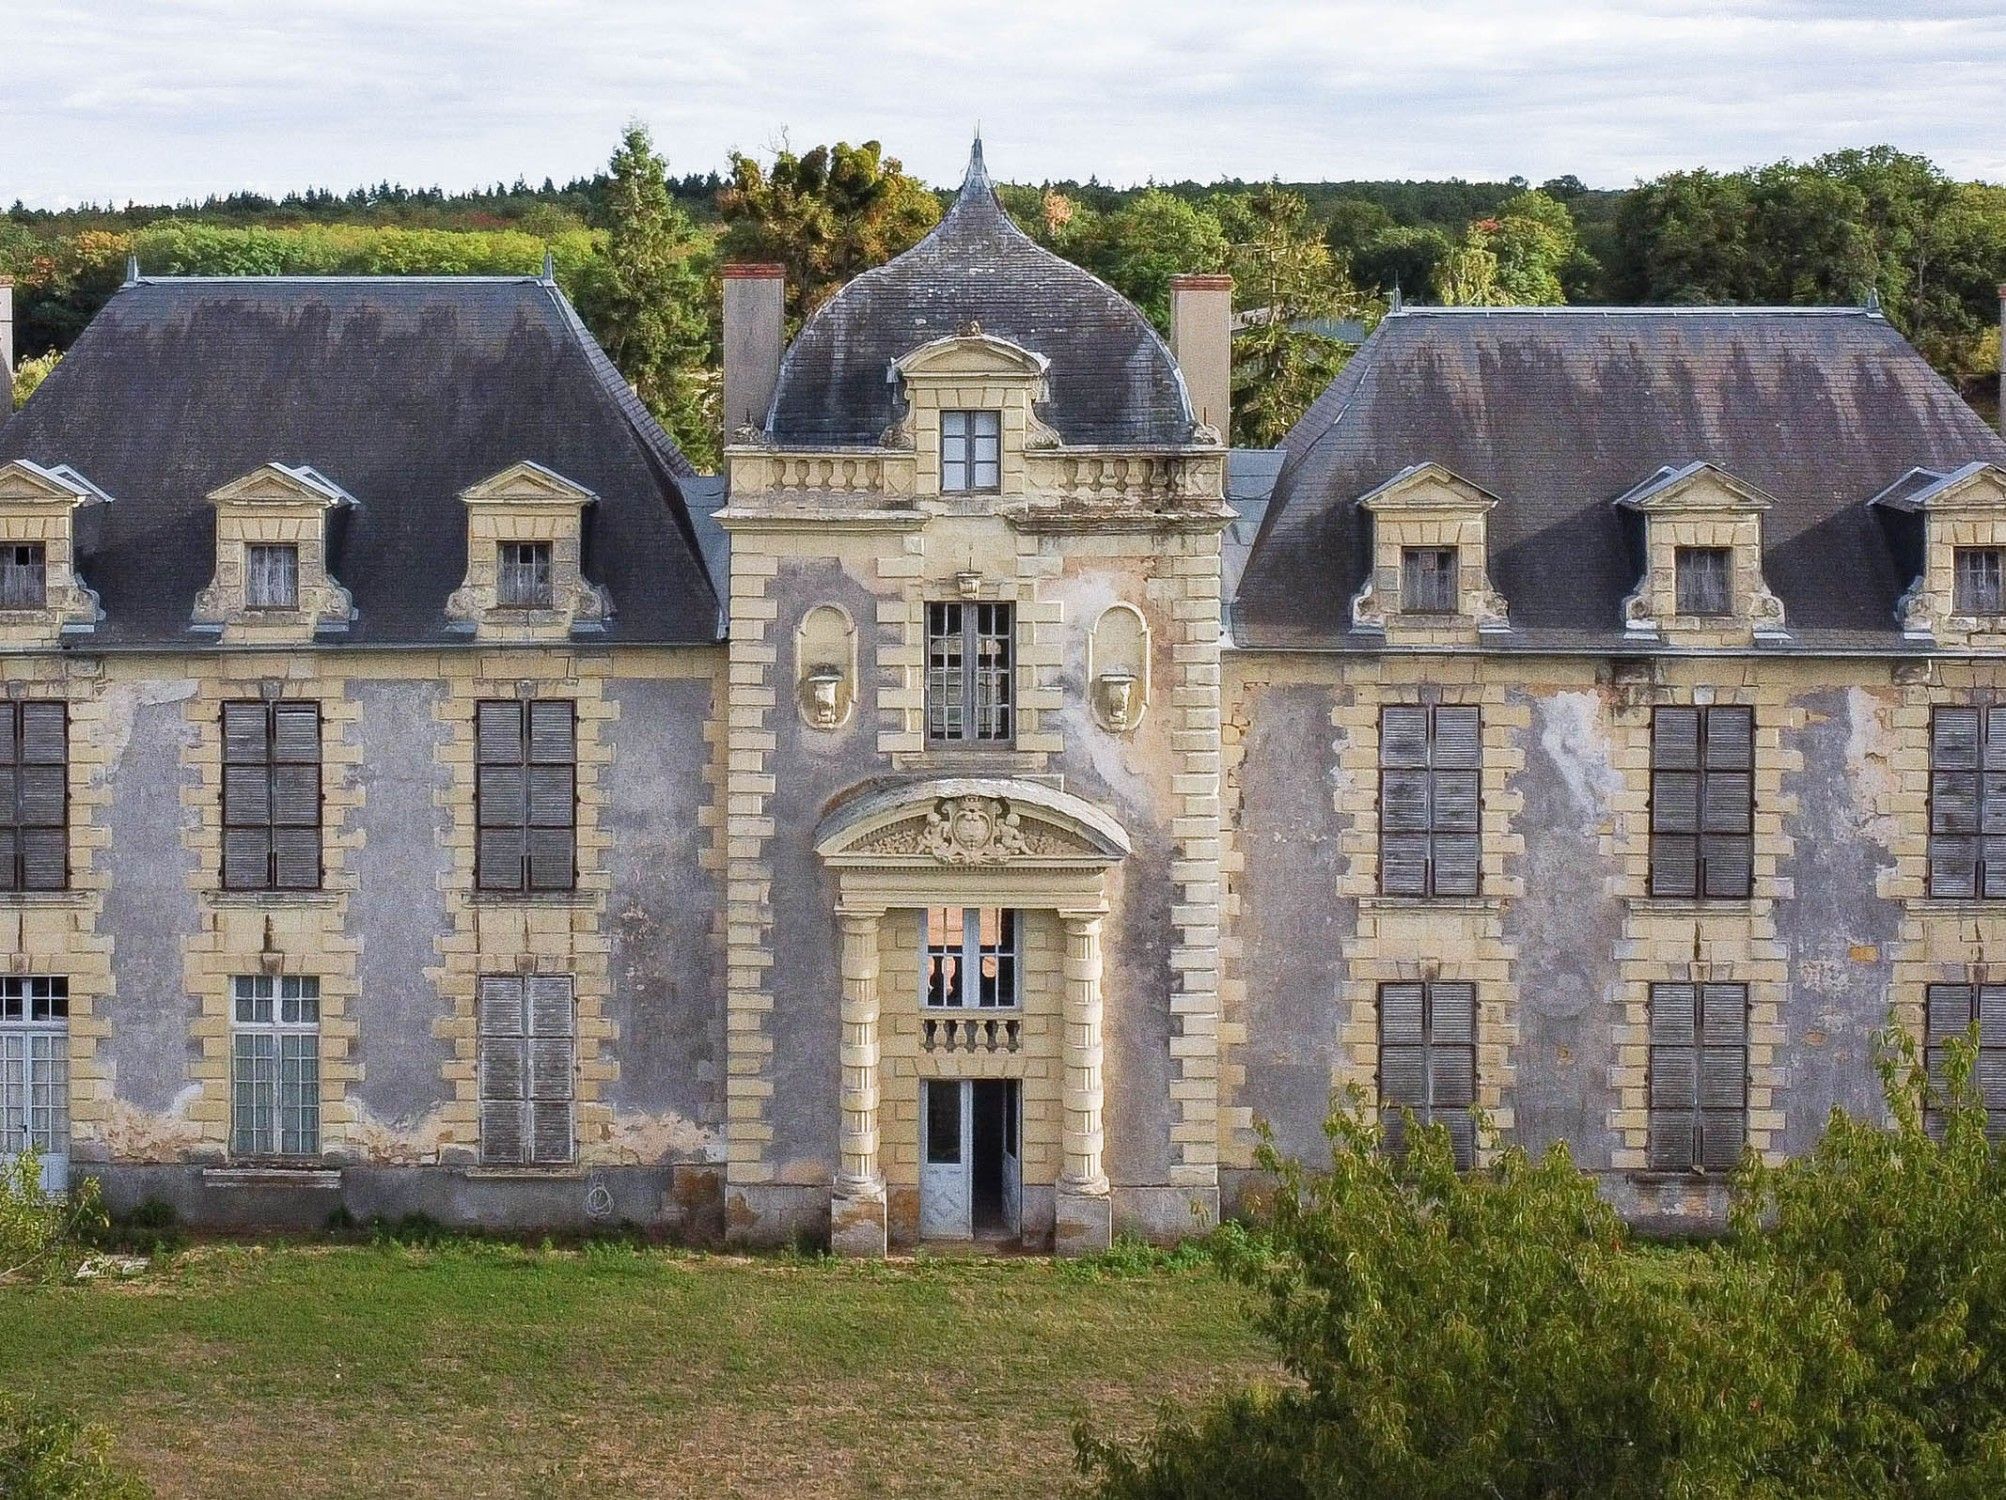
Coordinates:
(24, 576)
(1428, 1061)
(1967, 802)
(1701, 577)
(526, 795)
(1699, 1077)
(971, 451)
(1976, 587)
(271, 796)
(34, 1065)
(34, 796)
(1702, 802)
(970, 677)
(523, 577)
(1430, 762)
(1953, 1009)
(1428, 581)
(275, 1065)
(527, 1048)
(272, 576)
(973, 958)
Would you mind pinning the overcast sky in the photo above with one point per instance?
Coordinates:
(165, 99)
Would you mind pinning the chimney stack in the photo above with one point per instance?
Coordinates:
(1201, 337)
(6, 336)
(755, 301)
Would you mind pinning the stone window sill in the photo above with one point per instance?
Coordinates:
(1680, 1179)
(276, 899)
(1705, 906)
(974, 760)
(562, 899)
(272, 1175)
(569, 1173)
(1378, 901)
(68, 897)
(1964, 906)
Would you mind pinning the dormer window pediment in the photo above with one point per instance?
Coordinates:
(1702, 578)
(1430, 558)
(525, 551)
(42, 595)
(970, 413)
(1955, 521)
(272, 578)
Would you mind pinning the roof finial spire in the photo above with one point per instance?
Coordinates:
(977, 175)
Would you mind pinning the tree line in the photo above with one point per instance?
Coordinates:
(1315, 264)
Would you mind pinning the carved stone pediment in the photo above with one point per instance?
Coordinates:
(974, 822)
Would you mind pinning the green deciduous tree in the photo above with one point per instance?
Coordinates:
(1141, 245)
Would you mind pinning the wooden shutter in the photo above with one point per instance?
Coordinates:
(1954, 794)
(504, 1069)
(552, 1051)
(1403, 1054)
(34, 797)
(526, 794)
(1429, 800)
(501, 795)
(1674, 1078)
(1675, 802)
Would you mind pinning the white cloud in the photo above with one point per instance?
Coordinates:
(111, 100)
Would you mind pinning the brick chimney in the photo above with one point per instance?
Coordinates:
(755, 299)
(1201, 336)
(6, 335)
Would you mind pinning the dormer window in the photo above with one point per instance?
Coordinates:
(1705, 580)
(1428, 581)
(523, 577)
(23, 576)
(272, 576)
(1977, 586)
(971, 451)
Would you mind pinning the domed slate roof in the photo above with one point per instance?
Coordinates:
(1112, 378)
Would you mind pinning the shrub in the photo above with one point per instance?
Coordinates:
(43, 1235)
(47, 1454)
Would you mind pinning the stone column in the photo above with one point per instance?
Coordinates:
(857, 1210)
(1084, 1220)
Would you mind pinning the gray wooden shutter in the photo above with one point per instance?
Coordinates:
(296, 795)
(43, 797)
(1674, 1078)
(1723, 1075)
(1452, 1064)
(552, 796)
(501, 794)
(1675, 799)
(504, 1069)
(1403, 1058)
(1954, 788)
(551, 1069)
(1727, 811)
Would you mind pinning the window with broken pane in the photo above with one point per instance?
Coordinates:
(523, 578)
(1428, 581)
(24, 576)
(1703, 580)
(1976, 584)
(970, 673)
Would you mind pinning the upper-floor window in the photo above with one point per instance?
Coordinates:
(1976, 583)
(1428, 581)
(1702, 801)
(271, 796)
(523, 578)
(1953, 1009)
(526, 795)
(24, 576)
(271, 576)
(973, 957)
(275, 1065)
(1698, 1077)
(1428, 1061)
(34, 796)
(1430, 763)
(1702, 580)
(1967, 802)
(971, 451)
(528, 1044)
(970, 675)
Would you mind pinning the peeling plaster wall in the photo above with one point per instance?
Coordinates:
(1567, 989)
(401, 867)
(1293, 926)
(667, 966)
(149, 911)
(1838, 932)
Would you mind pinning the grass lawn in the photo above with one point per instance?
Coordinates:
(476, 1370)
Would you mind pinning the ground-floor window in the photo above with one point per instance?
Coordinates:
(1953, 1010)
(527, 1051)
(275, 1065)
(973, 958)
(1699, 1077)
(35, 1073)
(1428, 1061)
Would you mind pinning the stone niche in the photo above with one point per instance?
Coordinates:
(825, 667)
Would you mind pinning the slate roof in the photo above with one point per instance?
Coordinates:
(1561, 411)
(403, 391)
(1112, 378)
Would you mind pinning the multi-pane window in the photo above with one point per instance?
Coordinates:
(1428, 581)
(971, 451)
(970, 676)
(1976, 583)
(34, 796)
(1953, 1010)
(1428, 1061)
(1967, 802)
(275, 1065)
(35, 1068)
(1701, 579)
(974, 957)
(1699, 1077)
(1430, 761)
(272, 576)
(523, 577)
(271, 796)
(24, 576)
(1702, 801)
(527, 1047)
(525, 795)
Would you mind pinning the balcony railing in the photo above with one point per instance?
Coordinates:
(971, 1031)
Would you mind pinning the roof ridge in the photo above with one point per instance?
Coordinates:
(1638, 309)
